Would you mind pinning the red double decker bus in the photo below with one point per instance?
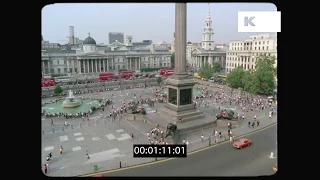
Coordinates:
(48, 81)
(126, 74)
(107, 75)
(168, 72)
(162, 71)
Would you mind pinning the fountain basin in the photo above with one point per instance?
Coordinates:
(71, 104)
(84, 107)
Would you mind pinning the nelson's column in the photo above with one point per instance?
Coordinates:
(180, 84)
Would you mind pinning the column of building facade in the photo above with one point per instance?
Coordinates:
(43, 68)
(78, 66)
(84, 65)
(135, 63)
(104, 64)
(88, 63)
(49, 67)
(68, 65)
(112, 63)
(107, 64)
(139, 62)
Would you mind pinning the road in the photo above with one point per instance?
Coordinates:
(222, 160)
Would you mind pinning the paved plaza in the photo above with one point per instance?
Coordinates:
(108, 142)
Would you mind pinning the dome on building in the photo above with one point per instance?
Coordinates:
(89, 40)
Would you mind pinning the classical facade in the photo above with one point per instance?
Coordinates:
(208, 53)
(190, 48)
(93, 58)
(246, 52)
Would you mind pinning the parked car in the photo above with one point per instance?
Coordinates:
(242, 142)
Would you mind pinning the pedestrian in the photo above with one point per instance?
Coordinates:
(254, 117)
(87, 155)
(249, 124)
(184, 141)
(201, 138)
(45, 168)
(134, 117)
(252, 124)
(258, 122)
(52, 122)
(230, 139)
(187, 143)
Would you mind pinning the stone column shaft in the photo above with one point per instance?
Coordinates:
(180, 37)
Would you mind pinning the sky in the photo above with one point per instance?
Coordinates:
(143, 21)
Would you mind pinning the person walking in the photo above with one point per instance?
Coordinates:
(201, 138)
(45, 168)
(258, 122)
(87, 154)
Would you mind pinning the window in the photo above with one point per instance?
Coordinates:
(123, 67)
(255, 48)
(65, 70)
(267, 48)
(259, 48)
(209, 37)
(250, 48)
(58, 62)
(262, 47)
(263, 42)
(118, 66)
(259, 42)
(118, 59)
(59, 70)
(209, 44)
(251, 66)
(255, 43)
(254, 38)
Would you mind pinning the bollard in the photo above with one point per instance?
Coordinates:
(120, 164)
(80, 125)
(43, 131)
(62, 128)
(71, 126)
(52, 130)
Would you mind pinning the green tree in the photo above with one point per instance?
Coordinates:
(206, 71)
(159, 80)
(172, 60)
(58, 90)
(235, 77)
(217, 67)
(262, 79)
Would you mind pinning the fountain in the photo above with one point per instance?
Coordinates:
(71, 101)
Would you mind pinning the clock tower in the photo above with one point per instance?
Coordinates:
(207, 35)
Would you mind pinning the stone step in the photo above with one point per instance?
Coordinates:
(192, 117)
(194, 125)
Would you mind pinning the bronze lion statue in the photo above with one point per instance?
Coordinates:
(229, 115)
(171, 128)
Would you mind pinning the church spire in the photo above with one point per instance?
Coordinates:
(208, 18)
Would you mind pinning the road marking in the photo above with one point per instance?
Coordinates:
(95, 138)
(120, 130)
(76, 148)
(64, 138)
(164, 160)
(49, 148)
(80, 138)
(77, 134)
(110, 136)
(124, 137)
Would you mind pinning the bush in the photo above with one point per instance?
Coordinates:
(57, 90)
(93, 108)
